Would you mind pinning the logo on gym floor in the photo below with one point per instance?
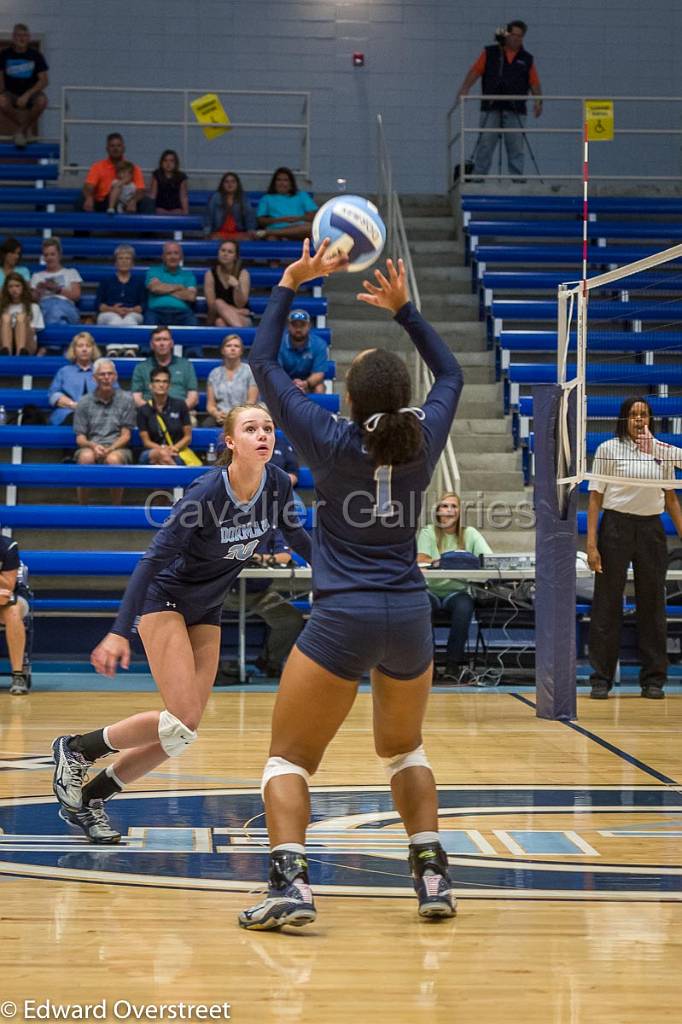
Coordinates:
(603, 842)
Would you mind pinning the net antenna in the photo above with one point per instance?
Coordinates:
(569, 469)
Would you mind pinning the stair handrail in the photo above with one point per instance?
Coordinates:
(446, 477)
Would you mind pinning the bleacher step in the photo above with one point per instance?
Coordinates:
(504, 462)
(420, 229)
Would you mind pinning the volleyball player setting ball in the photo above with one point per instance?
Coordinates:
(370, 612)
(178, 588)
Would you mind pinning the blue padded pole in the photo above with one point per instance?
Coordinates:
(555, 547)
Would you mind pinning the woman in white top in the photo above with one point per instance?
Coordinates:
(20, 318)
(448, 533)
(229, 385)
(57, 288)
(630, 531)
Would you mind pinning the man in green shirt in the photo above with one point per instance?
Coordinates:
(183, 378)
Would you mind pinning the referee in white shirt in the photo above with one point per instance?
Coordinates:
(630, 531)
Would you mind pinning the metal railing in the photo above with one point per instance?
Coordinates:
(182, 129)
(659, 160)
(446, 476)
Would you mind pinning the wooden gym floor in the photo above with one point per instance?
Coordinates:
(565, 845)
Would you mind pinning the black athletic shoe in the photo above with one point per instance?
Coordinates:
(430, 876)
(653, 692)
(600, 691)
(289, 899)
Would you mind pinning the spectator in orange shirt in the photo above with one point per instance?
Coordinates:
(103, 174)
(505, 68)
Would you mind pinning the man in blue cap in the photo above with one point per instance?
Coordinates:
(303, 354)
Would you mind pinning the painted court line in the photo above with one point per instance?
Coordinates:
(623, 754)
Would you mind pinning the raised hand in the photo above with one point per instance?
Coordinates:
(308, 267)
(645, 441)
(390, 292)
(107, 655)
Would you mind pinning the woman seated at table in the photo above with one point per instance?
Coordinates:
(164, 423)
(448, 533)
(227, 285)
(20, 317)
(229, 385)
(70, 383)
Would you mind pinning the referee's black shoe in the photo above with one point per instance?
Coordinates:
(600, 691)
(653, 692)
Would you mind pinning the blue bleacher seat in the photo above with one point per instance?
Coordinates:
(151, 249)
(60, 335)
(571, 204)
(536, 280)
(598, 341)
(257, 303)
(29, 172)
(541, 309)
(25, 195)
(599, 373)
(607, 408)
(34, 150)
(666, 230)
(10, 220)
(570, 255)
(47, 366)
(19, 398)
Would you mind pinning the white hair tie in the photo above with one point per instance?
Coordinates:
(372, 422)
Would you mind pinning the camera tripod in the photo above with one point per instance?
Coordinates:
(525, 139)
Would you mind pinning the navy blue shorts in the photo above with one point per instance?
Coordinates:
(158, 600)
(351, 633)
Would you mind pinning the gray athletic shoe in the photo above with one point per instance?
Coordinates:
(19, 685)
(69, 774)
(92, 819)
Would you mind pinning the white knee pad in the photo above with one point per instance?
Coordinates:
(280, 766)
(413, 759)
(174, 736)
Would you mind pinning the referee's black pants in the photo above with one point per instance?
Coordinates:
(623, 539)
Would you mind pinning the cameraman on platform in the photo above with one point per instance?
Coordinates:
(505, 69)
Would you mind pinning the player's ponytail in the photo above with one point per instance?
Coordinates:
(379, 391)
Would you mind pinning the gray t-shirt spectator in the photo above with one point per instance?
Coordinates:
(101, 422)
(229, 393)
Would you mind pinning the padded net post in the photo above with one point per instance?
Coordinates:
(555, 548)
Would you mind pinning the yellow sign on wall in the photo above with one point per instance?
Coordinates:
(599, 120)
(209, 111)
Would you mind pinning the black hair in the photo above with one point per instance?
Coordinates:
(621, 431)
(517, 24)
(239, 193)
(378, 381)
(293, 187)
(175, 174)
(160, 371)
(114, 135)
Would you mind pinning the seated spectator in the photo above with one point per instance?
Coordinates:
(183, 378)
(228, 212)
(121, 296)
(57, 289)
(171, 290)
(163, 422)
(10, 259)
(227, 285)
(70, 383)
(103, 174)
(103, 422)
(23, 79)
(123, 191)
(303, 354)
(230, 384)
(283, 211)
(14, 598)
(283, 620)
(448, 533)
(20, 317)
(168, 189)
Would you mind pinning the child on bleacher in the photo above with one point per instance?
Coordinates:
(168, 186)
(20, 317)
(123, 189)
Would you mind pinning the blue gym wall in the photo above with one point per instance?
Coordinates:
(416, 55)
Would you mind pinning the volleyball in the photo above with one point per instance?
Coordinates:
(355, 228)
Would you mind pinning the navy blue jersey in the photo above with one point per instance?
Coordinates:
(207, 540)
(364, 537)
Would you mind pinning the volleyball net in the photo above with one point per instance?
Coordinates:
(619, 364)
